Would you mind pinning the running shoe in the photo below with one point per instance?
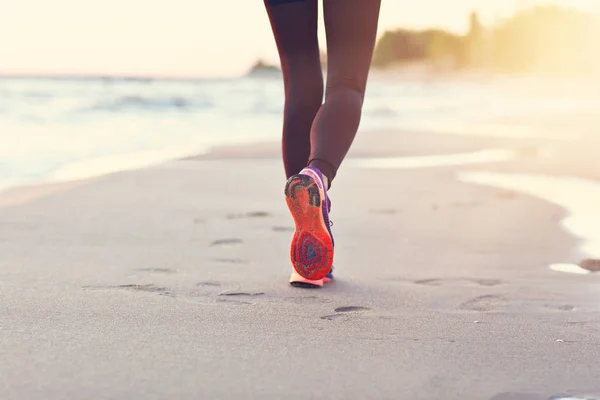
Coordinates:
(311, 250)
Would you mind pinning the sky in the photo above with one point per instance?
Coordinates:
(187, 37)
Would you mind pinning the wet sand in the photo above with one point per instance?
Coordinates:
(171, 282)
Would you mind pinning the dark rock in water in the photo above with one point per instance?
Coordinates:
(591, 264)
(261, 68)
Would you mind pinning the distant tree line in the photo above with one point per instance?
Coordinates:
(546, 38)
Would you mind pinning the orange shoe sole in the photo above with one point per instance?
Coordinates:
(311, 250)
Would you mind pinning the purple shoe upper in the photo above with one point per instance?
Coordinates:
(325, 209)
(326, 203)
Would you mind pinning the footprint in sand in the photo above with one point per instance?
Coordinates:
(332, 317)
(348, 309)
(251, 214)
(224, 242)
(208, 289)
(238, 293)
(238, 297)
(231, 260)
(166, 271)
(208, 284)
(344, 311)
(236, 302)
(222, 292)
(148, 288)
(484, 303)
(460, 282)
(492, 302)
(307, 300)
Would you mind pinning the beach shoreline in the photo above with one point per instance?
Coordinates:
(423, 143)
(379, 149)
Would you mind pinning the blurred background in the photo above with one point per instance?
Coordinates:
(88, 88)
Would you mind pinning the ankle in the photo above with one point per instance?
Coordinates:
(326, 169)
(326, 181)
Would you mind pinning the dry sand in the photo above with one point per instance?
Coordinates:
(171, 283)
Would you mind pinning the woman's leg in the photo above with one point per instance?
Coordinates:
(294, 24)
(351, 27)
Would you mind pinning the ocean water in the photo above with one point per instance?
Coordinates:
(54, 129)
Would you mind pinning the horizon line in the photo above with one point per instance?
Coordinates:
(119, 76)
